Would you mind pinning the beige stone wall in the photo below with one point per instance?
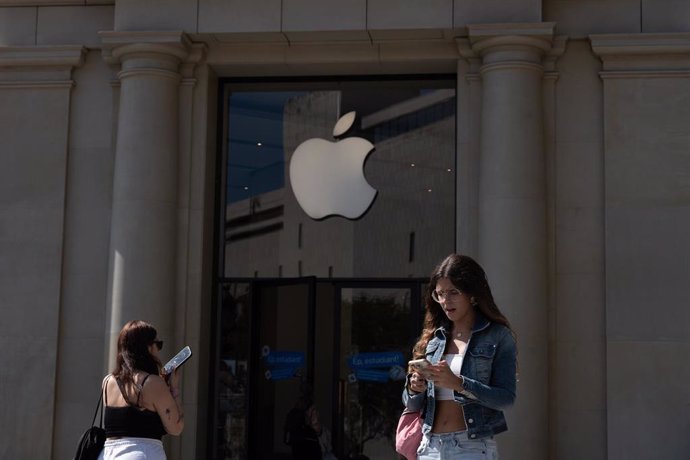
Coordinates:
(85, 245)
(577, 284)
(616, 199)
(647, 199)
(34, 128)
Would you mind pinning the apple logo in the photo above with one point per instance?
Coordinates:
(327, 177)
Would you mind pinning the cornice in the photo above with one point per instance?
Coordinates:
(640, 44)
(667, 52)
(115, 38)
(484, 36)
(42, 56)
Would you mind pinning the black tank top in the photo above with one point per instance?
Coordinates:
(132, 421)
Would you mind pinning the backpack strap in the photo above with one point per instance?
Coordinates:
(98, 406)
(104, 388)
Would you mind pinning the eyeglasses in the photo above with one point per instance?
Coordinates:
(159, 344)
(449, 295)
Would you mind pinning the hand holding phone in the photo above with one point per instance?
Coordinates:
(177, 360)
(419, 364)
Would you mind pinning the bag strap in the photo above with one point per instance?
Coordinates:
(98, 406)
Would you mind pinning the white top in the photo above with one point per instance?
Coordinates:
(454, 360)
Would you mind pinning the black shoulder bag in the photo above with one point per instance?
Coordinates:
(92, 441)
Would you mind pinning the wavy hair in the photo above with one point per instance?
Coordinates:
(468, 277)
(133, 351)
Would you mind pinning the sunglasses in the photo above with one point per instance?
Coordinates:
(159, 344)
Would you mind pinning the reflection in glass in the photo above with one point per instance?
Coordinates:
(232, 375)
(410, 225)
(373, 321)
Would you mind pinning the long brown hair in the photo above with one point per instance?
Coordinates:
(133, 351)
(469, 277)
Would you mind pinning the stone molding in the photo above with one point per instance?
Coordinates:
(41, 56)
(640, 44)
(171, 47)
(491, 47)
(643, 55)
(39, 66)
(498, 46)
(557, 50)
(167, 54)
(283, 55)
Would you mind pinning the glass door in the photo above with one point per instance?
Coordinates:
(282, 361)
(378, 326)
(266, 358)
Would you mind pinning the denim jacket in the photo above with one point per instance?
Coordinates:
(488, 369)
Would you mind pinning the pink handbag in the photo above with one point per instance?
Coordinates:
(408, 436)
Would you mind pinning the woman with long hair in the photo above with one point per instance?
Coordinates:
(472, 362)
(141, 405)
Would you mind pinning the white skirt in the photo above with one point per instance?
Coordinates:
(132, 449)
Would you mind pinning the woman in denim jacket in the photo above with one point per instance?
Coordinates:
(472, 372)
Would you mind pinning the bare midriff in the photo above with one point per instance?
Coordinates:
(448, 417)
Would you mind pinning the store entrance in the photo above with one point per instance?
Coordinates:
(346, 340)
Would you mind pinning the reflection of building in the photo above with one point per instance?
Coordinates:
(569, 184)
(412, 169)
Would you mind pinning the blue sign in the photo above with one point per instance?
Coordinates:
(291, 359)
(283, 373)
(371, 375)
(379, 360)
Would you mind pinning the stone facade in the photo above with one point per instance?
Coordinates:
(573, 191)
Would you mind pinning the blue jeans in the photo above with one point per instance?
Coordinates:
(456, 446)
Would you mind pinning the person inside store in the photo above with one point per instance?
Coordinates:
(302, 429)
(471, 371)
(141, 404)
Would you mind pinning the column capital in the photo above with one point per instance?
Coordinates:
(496, 43)
(121, 46)
(166, 53)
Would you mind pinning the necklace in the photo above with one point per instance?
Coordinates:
(458, 335)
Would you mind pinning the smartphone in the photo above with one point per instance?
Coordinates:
(419, 363)
(177, 360)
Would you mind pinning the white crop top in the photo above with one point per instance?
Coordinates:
(454, 360)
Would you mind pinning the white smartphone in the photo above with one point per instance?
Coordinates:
(419, 363)
(177, 360)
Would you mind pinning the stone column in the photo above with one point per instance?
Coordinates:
(143, 240)
(512, 233)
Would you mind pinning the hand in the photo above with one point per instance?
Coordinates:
(417, 382)
(442, 376)
(173, 379)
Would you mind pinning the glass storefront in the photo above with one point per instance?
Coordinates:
(332, 304)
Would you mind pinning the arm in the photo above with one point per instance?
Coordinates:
(414, 393)
(166, 400)
(499, 394)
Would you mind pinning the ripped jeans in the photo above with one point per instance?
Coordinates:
(456, 446)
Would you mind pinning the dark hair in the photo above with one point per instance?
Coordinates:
(133, 351)
(306, 396)
(469, 277)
